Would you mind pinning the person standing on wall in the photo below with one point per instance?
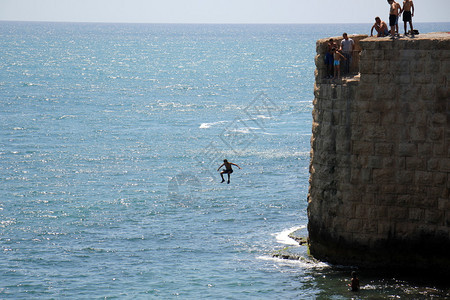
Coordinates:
(394, 11)
(408, 13)
(347, 46)
(329, 60)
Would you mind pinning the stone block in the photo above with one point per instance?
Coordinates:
(424, 149)
(423, 178)
(368, 199)
(385, 228)
(389, 162)
(415, 163)
(407, 149)
(385, 44)
(388, 117)
(362, 175)
(442, 93)
(411, 93)
(382, 67)
(418, 134)
(440, 79)
(432, 67)
(366, 67)
(439, 119)
(354, 225)
(391, 55)
(354, 118)
(362, 148)
(375, 162)
(442, 55)
(357, 133)
(369, 227)
(361, 211)
(433, 164)
(369, 79)
(342, 146)
(434, 216)
(404, 79)
(327, 116)
(446, 67)
(428, 91)
(439, 178)
(407, 54)
(440, 150)
(405, 177)
(422, 79)
(370, 117)
(416, 214)
(418, 66)
(384, 149)
(421, 115)
(400, 67)
(445, 165)
(375, 133)
(382, 176)
(398, 213)
(362, 104)
(400, 162)
(388, 188)
(368, 45)
(340, 104)
(336, 117)
(384, 92)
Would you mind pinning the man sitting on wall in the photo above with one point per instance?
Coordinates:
(381, 27)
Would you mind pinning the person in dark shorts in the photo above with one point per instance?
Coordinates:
(394, 11)
(228, 169)
(408, 13)
(329, 60)
(380, 27)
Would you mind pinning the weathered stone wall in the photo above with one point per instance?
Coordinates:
(380, 159)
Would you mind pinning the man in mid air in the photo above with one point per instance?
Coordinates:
(228, 169)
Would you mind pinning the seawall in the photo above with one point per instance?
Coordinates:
(380, 156)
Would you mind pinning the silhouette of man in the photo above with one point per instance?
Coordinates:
(228, 169)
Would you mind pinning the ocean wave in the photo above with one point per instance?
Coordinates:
(283, 236)
(303, 262)
(209, 125)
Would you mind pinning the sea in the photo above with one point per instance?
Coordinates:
(111, 136)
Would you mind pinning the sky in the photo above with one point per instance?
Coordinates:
(214, 11)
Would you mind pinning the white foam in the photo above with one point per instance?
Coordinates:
(303, 263)
(209, 125)
(283, 236)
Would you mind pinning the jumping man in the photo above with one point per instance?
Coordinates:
(228, 170)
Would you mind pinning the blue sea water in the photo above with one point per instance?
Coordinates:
(110, 140)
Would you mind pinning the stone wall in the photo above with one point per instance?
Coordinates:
(380, 159)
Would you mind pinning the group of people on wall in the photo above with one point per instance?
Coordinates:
(344, 53)
(335, 54)
(395, 11)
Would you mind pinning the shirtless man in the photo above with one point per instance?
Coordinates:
(329, 57)
(228, 170)
(381, 27)
(408, 6)
(337, 61)
(394, 11)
